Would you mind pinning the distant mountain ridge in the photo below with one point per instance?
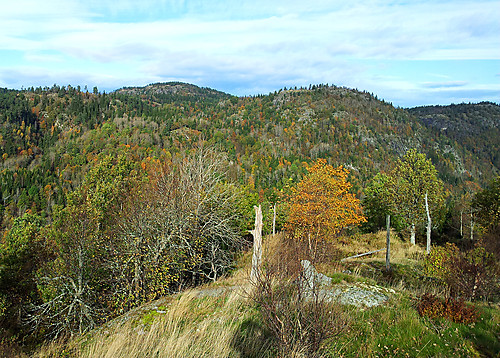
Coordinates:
(475, 126)
(50, 137)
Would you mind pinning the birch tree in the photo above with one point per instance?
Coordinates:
(68, 285)
(379, 206)
(75, 285)
(379, 201)
(414, 177)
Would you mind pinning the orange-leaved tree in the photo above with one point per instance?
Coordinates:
(321, 205)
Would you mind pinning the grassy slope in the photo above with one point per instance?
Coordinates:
(194, 324)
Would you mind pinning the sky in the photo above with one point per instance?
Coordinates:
(406, 52)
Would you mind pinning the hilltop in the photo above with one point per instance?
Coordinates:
(267, 137)
(171, 91)
(51, 136)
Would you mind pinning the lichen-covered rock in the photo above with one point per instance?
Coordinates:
(312, 278)
(362, 297)
(319, 286)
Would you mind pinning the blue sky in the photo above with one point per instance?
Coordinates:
(407, 52)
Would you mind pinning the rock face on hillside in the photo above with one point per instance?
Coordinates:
(475, 126)
(171, 91)
(319, 286)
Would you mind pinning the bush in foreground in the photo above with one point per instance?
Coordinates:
(450, 308)
(469, 275)
(299, 318)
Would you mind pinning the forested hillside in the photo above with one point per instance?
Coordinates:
(49, 136)
(110, 200)
(476, 127)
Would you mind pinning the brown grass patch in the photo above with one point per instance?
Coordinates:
(189, 327)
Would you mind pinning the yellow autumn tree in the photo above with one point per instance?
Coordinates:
(321, 206)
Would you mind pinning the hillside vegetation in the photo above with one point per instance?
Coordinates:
(475, 126)
(225, 319)
(109, 201)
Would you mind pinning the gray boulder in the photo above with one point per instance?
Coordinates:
(317, 286)
(312, 279)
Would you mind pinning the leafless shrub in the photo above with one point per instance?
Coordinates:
(177, 227)
(299, 320)
(475, 275)
(180, 229)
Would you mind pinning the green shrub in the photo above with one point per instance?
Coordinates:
(469, 275)
(438, 263)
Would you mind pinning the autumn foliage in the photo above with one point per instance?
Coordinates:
(321, 205)
(450, 308)
(470, 274)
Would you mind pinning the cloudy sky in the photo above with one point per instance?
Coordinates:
(406, 52)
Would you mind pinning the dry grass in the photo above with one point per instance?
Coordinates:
(402, 252)
(179, 333)
(190, 326)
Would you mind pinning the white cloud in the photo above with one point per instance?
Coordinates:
(244, 45)
(446, 85)
(394, 31)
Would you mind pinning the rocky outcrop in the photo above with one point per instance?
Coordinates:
(317, 286)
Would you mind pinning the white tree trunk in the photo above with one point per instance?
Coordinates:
(257, 245)
(80, 270)
(412, 234)
(461, 224)
(471, 225)
(429, 225)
